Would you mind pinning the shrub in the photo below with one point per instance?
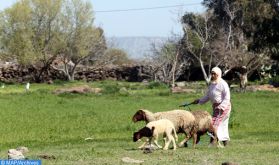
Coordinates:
(111, 89)
(274, 81)
(157, 85)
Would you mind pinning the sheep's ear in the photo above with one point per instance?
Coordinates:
(143, 115)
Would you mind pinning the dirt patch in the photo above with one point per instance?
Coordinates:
(182, 90)
(78, 89)
(265, 87)
(46, 156)
(131, 160)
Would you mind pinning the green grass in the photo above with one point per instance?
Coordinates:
(58, 124)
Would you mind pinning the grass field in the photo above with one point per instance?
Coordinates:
(58, 125)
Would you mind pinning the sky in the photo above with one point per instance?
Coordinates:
(151, 18)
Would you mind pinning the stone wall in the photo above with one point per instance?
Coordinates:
(132, 73)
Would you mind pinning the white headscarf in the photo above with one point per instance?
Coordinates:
(218, 71)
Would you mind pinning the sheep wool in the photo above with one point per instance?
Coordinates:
(180, 118)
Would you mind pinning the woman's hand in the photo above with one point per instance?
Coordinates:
(196, 101)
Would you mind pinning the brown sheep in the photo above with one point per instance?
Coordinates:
(204, 120)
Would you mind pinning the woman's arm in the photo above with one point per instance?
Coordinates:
(205, 98)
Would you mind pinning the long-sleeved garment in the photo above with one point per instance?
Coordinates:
(219, 95)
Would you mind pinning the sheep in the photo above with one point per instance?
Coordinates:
(204, 120)
(154, 128)
(184, 122)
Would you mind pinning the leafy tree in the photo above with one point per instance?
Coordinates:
(15, 33)
(81, 39)
(262, 26)
(36, 32)
(29, 33)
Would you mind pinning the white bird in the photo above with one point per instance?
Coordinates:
(27, 87)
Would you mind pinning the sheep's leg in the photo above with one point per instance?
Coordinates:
(143, 145)
(150, 140)
(156, 142)
(198, 138)
(181, 144)
(166, 147)
(194, 140)
(173, 138)
(173, 143)
(165, 139)
(214, 139)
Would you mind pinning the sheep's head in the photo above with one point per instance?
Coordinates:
(139, 116)
(136, 136)
(144, 132)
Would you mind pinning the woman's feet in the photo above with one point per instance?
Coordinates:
(225, 143)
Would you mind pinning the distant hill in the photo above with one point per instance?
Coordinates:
(136, 47)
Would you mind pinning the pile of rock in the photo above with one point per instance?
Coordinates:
(17, 154)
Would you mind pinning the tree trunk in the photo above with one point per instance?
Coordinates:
(72, 72)
(174, 68)
(243, 81)
(72, 76)
(206, 77)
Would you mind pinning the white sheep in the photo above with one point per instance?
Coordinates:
(155, 128)
(184, 122)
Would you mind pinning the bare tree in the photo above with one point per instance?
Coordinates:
(236, 58)
(198, 31)
(168, 62)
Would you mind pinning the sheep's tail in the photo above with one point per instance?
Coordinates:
(174, 133)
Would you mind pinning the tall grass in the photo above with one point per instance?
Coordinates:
(58, 125)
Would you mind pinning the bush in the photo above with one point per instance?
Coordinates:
(157, 85)
(274, 81)
(111, 89)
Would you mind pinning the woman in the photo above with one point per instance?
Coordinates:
(219, 95)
